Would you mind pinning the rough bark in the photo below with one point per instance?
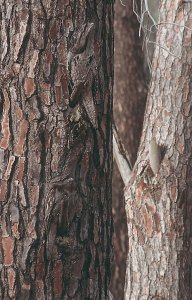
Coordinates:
(56, 66)
(158, 206)
(129, 103)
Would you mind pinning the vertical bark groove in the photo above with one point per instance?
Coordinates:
(55, 159)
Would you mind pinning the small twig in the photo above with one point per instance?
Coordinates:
(160, 46)
(122, 3)
(170, 23)
(141, 21)
(148, 59)
(135, 11)
(110, 295)
(149, 13)
(121, 157)
(144, 9)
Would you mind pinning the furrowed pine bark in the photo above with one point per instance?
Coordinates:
(130, 93)
(159, 264)
(56, 77)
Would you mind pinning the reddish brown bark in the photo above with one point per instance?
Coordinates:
(158, 205)
(56, 66)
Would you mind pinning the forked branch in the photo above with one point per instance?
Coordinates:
(121, 157)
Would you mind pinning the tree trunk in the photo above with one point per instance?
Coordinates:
(55, 149)
(129, 85)
(129, 104)
(158, 196)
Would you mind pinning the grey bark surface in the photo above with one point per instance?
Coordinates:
(158, 206)
(56, 77)
(129, 104)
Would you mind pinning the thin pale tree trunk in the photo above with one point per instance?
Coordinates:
(129, 104)
(158, 196)
(56, 77)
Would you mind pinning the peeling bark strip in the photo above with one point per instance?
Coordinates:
(5, 132)
(56, 66)
(159, 264)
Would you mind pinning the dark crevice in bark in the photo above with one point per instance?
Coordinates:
(6, 57)
(23, 48)
(45, 15)
(26, 171)
(61, 157)
(40, 212)
(11, 112)
(96, 157)
(2, 101)
(9, 182)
